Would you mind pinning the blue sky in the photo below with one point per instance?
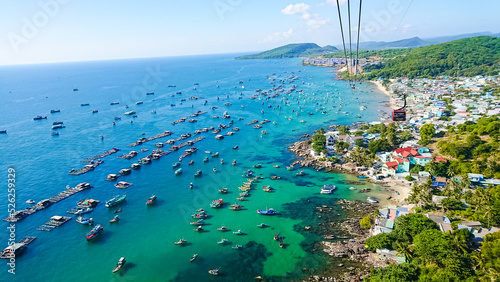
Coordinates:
(70, 30)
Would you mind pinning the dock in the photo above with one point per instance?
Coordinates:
(144, 139)
(100, 156)
(27, 240)
(19, 215)
(54, 222)
(89, 167)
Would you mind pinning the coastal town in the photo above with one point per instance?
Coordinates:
(425, 180)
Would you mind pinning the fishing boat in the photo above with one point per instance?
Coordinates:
(191, 162)
(180, 242)
(237, 247)
(123, 185)
(239, 232)
(241, 198)
(222, 241)
(223, 191)
(193, 257)
(200, 215)
(235, 207)
(222, 228)
(205, 159)
(257, 166)
(352, 188)
(84, 221)
(115, 201)
(290, 168)
(262, 225)
(55, 111)
(176, 164)
(281, 242)
(198, 173)
(31, 202)
(83, 105)
(267, 212)
(328, 189)
(151, 200)
(118, 210)
(94, 232)
(301, 173)
(39, 118)
(199, 229)
(179, 171)
(3, 131)
(248, 175)
(94, 111)
(268, 189)
(11, 252)
(371, 200)
(111, 177)
(214, 271)
(276, 236)
(235, 147)
(83, 210)
(234, 162)
(199, 222)
(244, 194)
(217, 203)
(120, 264)
(328, 237)
(216, 154)
(115, 219)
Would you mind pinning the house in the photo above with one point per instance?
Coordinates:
(442, 221)
(390, 256)
(439, 181)
(477, 229)
(330, 142)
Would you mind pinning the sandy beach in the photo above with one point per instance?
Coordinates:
(383, 90)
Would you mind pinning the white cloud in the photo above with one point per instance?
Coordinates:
(333, 2)
(278, 36)
(302, 10)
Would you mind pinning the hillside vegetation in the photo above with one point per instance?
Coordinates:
(468, 57)
(291, 51)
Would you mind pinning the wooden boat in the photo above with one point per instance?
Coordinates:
(276, 236)
(276, 166)
(222, 241)
(237, 247)
(199, 229)
(191, 162)
(267, 212)
(214, 271)
(198, 173)
(120, 264)
(223, 190)
(215, 155)
(180, 242)
(262, 225)
(328, 237)
(235, 207)
(193, 257)
(222, 228)
(199, 222)
(242, 198)
(115, 219)
(151, 200)
(239, 232)
(118, 210)
(301, 173)
(179, 171)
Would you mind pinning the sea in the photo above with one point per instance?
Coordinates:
(304, 99)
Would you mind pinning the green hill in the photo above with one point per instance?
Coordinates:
(469, 56)
(291, 51)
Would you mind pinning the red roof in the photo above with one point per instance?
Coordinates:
(421, 157)
(440, 160)
(392, 164)
(401, 150)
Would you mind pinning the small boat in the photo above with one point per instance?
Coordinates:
(84, 221)
(83, 210)
(235, 207)
(94, 232)
(179, 171)
(118, 210)
(54, 133)
(257, 166)
(223, 190)
(55, 111)
(239, 232)
(234, 162)
(237, 247)
(115, 219)
(58, 126)
(3, 131)
(371, 200)
(115, 201)
(120, 264)
(205, 159)
(114, 103)
(123, 185)
(262, 225)
(222, 241)
(242, 198)
(267, 212)
(139, 103)
(94, 111)
(276, 236)
(217, 203)
(214, 271)
(328, 237)
(352, 188)
(180, 242)
(199, 229)
(244, 194)
(83, 105)
(281, 242)
(191, 185)
(215, 155)
(221, 161)
(199, 222)
(191, 162)
(39, 118)
(193, 257)
(235, 147)
(289, 168)
(176, 164)
(301, 173)
(222, 228)
(268, 189)
(151, 200)
(198, 173)
(362, 176)
(276, 166)
(328, 189)
(31, 202)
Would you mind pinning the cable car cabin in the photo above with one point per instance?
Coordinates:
(398, 115)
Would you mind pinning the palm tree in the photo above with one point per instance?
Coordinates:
(479, 261)
(404, 250)
(459, 242)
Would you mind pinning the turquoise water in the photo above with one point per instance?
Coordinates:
(145, 235)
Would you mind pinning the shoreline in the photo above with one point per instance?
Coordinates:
(382, 89)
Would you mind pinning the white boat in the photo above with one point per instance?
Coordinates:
(30, 201)
(371, 200)
(352, 188)
(328, 189)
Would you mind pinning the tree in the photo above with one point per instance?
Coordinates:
(404, 272)
(343, 129)
(426, 132)
(416, 169)
(379, 145)
(380, 241)
(319, 142)
(365, 222)
(432, 246)
(359, 142)
(404, 249)
(461, 240)
(406, 227)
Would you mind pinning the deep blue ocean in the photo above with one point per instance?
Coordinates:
(145, 234)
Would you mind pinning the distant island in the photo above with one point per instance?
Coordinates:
(292, 51)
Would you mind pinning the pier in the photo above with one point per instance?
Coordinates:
(19, 215)
(89, 167)
(54, 222)
(100, 156)
(144, 139)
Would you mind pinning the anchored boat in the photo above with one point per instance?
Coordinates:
(115, 201)
(120, 264)
(94, 232)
